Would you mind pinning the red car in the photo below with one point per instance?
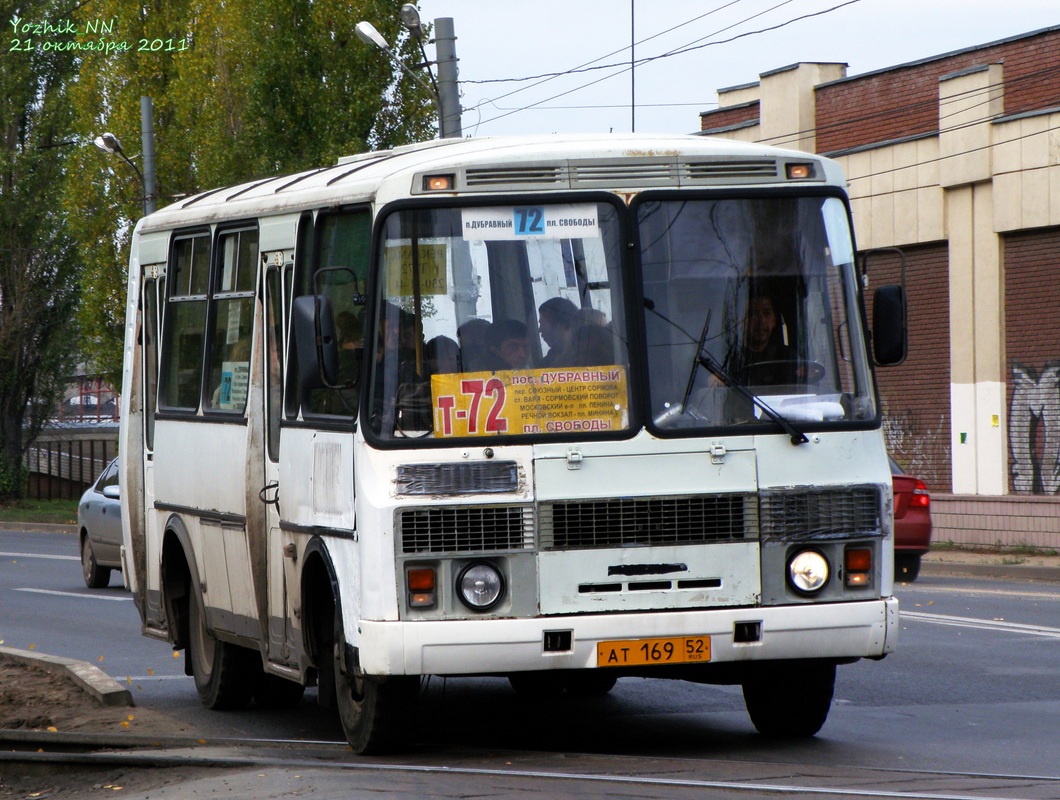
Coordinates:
(912, 523)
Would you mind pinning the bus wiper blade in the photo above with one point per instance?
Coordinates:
(695, 361)
(714, 368)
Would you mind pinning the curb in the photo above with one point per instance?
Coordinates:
(105, 690)
(1008, 572)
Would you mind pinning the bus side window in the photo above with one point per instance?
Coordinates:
(232, 307)
(340, 273)
(180, 370)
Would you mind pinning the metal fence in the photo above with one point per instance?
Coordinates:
(63, 469)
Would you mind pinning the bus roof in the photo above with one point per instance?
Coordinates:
(611, 162)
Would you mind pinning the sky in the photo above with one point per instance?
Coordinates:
(727, 43)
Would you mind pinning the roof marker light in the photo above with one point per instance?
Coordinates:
(799, 171)
(438, 183)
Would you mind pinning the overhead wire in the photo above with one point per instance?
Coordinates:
(552, 76)
(623, 67)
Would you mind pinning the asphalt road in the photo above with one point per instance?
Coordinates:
(973, 688)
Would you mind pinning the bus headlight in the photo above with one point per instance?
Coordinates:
(808, 571)
(480, 586)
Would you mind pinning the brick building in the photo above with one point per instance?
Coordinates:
(954, 159)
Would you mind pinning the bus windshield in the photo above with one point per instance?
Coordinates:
(500, 321)
(757, 293)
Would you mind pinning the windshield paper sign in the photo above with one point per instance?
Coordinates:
(508, 223)
(569, 400)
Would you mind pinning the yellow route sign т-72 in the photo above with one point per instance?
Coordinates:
(526, 401)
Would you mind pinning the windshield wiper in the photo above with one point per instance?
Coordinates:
(714, 368)
(695, 361)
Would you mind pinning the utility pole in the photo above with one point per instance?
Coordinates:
(448, 91)
(147, 134)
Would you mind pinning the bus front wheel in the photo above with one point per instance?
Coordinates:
(375, 712)
(790, 699)
(221, 670)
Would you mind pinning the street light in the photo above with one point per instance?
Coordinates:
(109, 143)
(444, 92)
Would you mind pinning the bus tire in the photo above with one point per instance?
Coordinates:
(222, 671)
(790, 700)
(375, 712)
(96, 577)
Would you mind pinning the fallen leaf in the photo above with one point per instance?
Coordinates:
(53, 729)
(150, 671)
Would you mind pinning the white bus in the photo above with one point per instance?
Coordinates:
(557, 409)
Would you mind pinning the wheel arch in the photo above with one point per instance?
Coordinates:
(179, 577)
(320, 596)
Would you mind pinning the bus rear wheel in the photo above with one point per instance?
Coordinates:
(221, 670)
(790, 699)
(375, 712)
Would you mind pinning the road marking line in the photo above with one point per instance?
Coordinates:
(37, 555)
(84, 595)
(982, 624)
(999, 592)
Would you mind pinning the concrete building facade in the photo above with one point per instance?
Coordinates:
(955, 160)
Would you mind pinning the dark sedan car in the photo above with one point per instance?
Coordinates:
(912, 523)
(99, 521)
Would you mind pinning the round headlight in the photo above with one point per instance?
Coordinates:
(808, 571)
(480, 586)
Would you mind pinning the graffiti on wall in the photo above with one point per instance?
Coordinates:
(919, 445)
(1034, 429)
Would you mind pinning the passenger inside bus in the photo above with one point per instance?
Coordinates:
(474, 352)
(443, 355)
(593, 346)
(509, 346)
(558, 320)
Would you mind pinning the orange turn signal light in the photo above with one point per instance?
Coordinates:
(799, 171)
(858, 566)
(421, 579)
(420, 582)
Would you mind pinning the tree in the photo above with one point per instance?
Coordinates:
(242, 90)
(38, 257)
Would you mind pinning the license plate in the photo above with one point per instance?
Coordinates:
(640, 652)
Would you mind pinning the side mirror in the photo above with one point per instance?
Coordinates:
(314, 336)
(889, 336)
(112, 492)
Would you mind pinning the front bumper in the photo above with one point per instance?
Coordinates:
(467, 647)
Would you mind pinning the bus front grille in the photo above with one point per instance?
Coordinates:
(466, 529)
(829, 513)
(623, 522)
